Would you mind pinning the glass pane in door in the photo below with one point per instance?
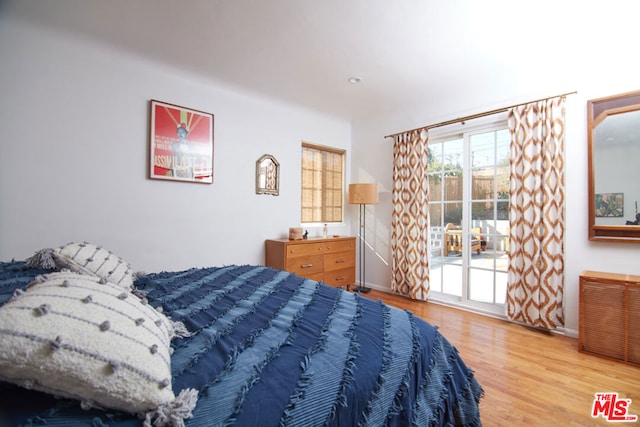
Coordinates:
(489, 209)
(445, 210)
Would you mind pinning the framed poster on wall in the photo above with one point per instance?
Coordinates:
(180, 143)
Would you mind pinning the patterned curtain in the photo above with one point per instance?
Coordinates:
(410, 216)
(536, 250)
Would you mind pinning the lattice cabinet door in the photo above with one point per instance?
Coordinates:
(633, 352)
(609, 323)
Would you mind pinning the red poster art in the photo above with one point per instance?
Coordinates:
(181, 143)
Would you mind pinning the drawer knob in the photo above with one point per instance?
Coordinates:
(306, 265)
(340, 278)
(339, 261)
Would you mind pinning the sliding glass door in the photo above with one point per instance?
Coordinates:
(469, 213)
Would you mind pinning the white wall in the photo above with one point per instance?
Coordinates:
(74, 120)
(591, 75)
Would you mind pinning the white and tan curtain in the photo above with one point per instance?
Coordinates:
(410, 216)
(536, 250)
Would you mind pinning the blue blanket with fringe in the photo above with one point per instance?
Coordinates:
(269, 348)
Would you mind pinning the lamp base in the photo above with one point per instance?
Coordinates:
(362, 289)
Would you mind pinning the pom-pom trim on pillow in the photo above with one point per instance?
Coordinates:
(82, 337)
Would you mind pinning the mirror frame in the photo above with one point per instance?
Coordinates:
(266, 190)
(598, 110)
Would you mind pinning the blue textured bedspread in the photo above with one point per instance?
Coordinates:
(269, 348)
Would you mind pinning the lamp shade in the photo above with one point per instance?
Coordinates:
(365, 194)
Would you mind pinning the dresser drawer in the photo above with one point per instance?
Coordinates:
(305, 265)
(343, 277)
(339, 246)
(339, 260)
(297, 250)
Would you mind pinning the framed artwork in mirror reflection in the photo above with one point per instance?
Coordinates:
(609, 205)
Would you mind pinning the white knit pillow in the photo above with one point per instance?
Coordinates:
(81, 337)
(87, 258)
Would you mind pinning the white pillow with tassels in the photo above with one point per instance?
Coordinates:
(85, 338)
(87, 258)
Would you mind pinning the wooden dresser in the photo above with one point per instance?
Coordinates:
(609, 323)
(330, 260)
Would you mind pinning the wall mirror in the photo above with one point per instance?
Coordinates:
(267, 175)
(614, 168)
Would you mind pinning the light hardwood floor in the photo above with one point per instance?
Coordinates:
(530, 378)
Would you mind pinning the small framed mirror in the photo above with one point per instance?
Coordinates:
(267, 175)
(614, 171)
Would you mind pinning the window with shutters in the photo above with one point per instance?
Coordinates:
(322, 184)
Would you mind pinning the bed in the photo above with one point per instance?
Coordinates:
(245, 345)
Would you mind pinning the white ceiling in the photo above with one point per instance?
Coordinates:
(304, 51)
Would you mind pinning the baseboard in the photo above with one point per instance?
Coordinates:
(571, 333)
(377, 288)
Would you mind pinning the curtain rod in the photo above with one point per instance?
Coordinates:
(477, 116)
